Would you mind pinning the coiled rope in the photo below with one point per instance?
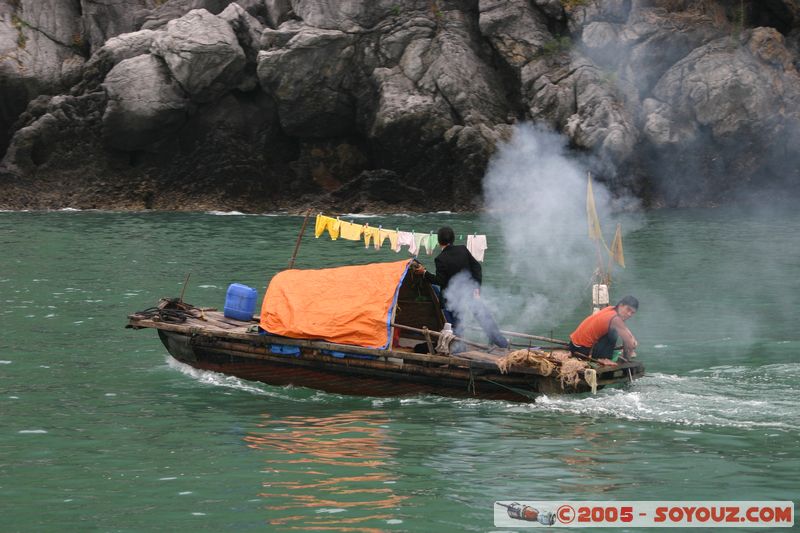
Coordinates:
(171, 310)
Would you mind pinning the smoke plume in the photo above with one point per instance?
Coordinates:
(535, 194)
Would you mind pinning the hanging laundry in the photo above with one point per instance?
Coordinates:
(384, 234)
(418, 238)
(430, 242)
(405, 238)
(326, 223)
(350, 231)
(476, 244)
(371, 234)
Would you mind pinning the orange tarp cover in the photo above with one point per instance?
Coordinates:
(347, 305)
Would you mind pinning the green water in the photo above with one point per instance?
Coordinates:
(101, 430)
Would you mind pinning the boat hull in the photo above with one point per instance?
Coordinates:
(383, 376)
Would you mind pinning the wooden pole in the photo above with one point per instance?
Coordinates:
(183, 290)
(431, 332)
(526, 336)
(299, 239)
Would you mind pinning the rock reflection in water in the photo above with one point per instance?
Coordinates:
(330, 472)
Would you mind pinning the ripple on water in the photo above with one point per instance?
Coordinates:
(737, 397)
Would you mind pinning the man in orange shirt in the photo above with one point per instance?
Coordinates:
(597, 335)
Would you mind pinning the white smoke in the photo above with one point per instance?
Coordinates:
(460, 294)
(535, 193)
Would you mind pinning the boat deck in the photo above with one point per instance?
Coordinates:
(209, 322)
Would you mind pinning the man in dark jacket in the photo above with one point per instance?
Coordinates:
(456, 264)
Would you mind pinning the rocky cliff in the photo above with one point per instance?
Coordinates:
(264, 104)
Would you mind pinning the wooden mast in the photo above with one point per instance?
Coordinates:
(299, 239)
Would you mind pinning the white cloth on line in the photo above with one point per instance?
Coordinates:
(476, 244)
(405, 238)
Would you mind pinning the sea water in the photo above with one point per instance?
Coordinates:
(101, 430)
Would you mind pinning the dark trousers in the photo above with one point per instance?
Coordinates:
(602, 349)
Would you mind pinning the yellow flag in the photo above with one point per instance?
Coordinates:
(591, 213)
(616, 248)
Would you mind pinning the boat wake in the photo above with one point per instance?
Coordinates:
(724, 396)
(216, 379)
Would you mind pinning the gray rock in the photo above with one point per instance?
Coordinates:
(104, 19)
(116, 49)
(516, 31)
(581, 14)
(145, 104)
(726, 117)
(310, 80)
(752, 88)
(203, 54)
(36, 40)
(355, 15)
(48, 122)
(40, 52)
(247, 28)
(403, 109)
(458, 73)
(423, 90)
(29, 144)
(379, 185)
(173, 9)
(278, 12)
(278, 38)
(552, 8)
(652, 41)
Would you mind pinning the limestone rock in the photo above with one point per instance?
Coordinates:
(379, 185)
(517, 32)
(145, 104)
(297, 98)
(247, 28)
(104, 19)
(278, 12)
(552, 8)
(174, 9)
(40, 52)
(310, 78)
(355, 15)
(116, 49)
(203, 54)
(403, 109)
(728, 89)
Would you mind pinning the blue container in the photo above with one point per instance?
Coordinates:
(240, 302)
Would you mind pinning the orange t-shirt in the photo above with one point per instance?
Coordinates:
(593, 327)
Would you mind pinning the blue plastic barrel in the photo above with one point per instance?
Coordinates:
(240, 302)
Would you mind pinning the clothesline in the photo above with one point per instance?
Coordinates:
(377, 236)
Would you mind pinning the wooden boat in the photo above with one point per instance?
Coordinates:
(274, 351)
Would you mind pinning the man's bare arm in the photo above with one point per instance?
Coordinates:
(629, 342)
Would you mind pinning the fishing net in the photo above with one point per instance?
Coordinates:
(531, 358)
(570, 372)
(570, 368)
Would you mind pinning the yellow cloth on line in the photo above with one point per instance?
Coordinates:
(371, 234)
(350, 231)
(386, 234)
(326, 223)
